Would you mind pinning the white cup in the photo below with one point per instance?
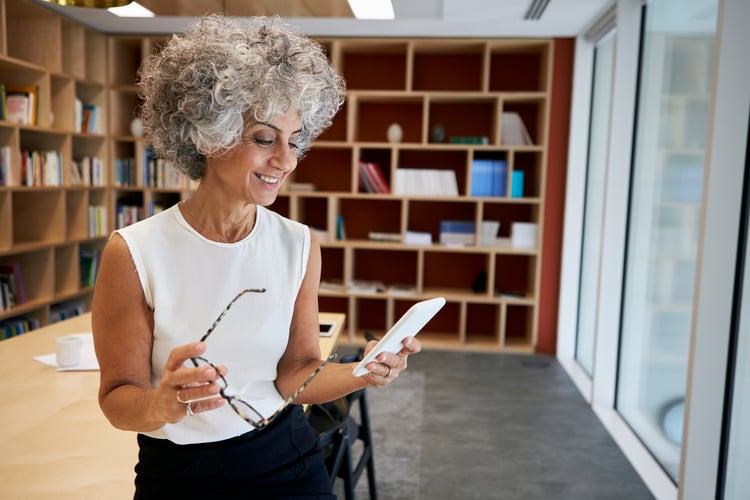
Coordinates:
(68, 351)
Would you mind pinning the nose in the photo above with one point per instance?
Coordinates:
(284, 157)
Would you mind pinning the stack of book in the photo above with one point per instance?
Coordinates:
(489, 177)
(41, 168)
(87, 171)
(457, 233)
(89, 259)
(12, 292)
(16, 326)
(426, 182)
(19, 103)
(371, 178)
(97, 220)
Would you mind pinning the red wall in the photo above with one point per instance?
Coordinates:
(554, 204)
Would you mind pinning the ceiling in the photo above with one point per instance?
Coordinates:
(414, 18)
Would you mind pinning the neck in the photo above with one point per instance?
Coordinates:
(223, 224)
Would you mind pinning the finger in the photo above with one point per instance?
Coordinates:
(410, 346)
(191, 394)
(179, 355)
(206, 405)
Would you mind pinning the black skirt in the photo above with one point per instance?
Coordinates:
(282, 461)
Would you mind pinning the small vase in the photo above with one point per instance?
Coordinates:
(395, 133)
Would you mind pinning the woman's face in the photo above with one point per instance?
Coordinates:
(254, 171)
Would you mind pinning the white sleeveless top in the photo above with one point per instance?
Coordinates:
(188, 280)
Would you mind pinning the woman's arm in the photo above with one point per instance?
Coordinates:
(123, 326)
(302, 355)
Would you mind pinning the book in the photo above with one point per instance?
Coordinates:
(21, 103)
(457, 233)
(3, 103)
(516, 184)
(14, 293)
(6, 168)
(417, 238)
(340, 228)
(514, 131)
(489, 177)
(384, 236)
(426, 182)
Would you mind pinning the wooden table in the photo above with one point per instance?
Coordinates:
(54, 439)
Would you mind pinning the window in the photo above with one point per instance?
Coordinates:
(663, 222)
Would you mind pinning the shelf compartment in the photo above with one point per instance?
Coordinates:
(437, 159)
(329, 169)
(519, 328)
(312, 211)
(337, 131)
(375, 115)
(158, 201)
(374, 67)
(515, 276)
(464, 120)
(6, 220)
(76, 214)
(483, 325)
(95, 95)
(62, 95)
(464, 63)
(531, 164)
(282, 206)
(34, 34)
(425, 215)
(37, 272)
(370, 314)
(506, 213)
(391, 267)
(125, 56)
(519, 67)
(123, 104)
(28, 226)
(332, 271)
(454, 272)
(67, 270)
(363, 215)
(380, 157)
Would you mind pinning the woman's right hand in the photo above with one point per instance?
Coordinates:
(185, 390)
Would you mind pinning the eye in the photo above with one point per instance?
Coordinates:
(260, 141)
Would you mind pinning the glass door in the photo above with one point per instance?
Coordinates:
(593, 215)
(663, 222)
(737, 431)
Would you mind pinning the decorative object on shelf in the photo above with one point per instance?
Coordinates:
(136, 127)
(437, 133)
(395, 133)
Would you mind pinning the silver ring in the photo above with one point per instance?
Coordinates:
(180, 400)
(390, 369)
(189, 410)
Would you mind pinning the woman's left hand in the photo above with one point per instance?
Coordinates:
(387, 366)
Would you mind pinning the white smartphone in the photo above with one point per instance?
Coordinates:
(409, 324)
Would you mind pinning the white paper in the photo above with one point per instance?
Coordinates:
(88, 357)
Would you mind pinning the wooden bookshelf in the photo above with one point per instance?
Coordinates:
(44, 226)
(492, 291)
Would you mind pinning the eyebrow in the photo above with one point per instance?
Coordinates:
(277, 129)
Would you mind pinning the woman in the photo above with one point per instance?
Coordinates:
(205, 316)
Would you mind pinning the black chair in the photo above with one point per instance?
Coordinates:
(338, 431)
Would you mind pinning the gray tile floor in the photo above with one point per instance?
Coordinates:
(500, 426)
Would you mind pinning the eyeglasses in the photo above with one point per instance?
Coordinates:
(242, 408)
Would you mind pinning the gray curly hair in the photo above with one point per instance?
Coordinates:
(197, 92)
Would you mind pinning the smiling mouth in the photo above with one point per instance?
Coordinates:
(268, 180)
